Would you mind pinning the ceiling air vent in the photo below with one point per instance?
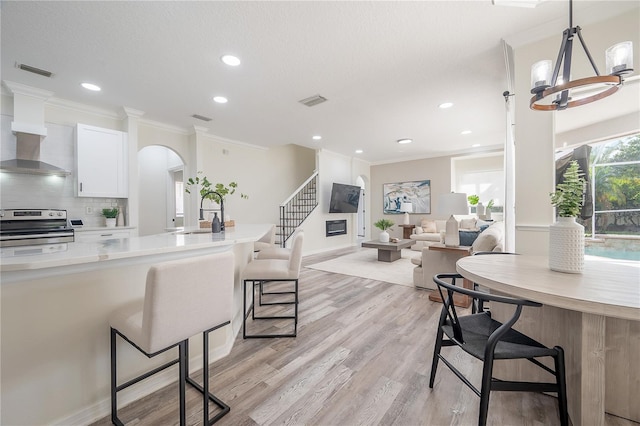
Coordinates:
(313, 100)
(201, 117)
(35, 70)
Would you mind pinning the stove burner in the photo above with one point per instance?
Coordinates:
(33, 227)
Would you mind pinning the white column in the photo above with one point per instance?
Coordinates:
(130, 125)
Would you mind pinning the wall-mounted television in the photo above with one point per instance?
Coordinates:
(344, 198)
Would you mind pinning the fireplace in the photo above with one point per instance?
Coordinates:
(336, 227)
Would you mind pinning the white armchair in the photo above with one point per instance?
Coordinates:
(432, 262)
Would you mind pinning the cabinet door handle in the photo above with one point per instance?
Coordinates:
(106, 235)
(80, 186)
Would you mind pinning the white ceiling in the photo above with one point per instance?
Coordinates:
(383, 66)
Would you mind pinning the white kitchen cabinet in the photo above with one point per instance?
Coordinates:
(101, 162)
(106, 234)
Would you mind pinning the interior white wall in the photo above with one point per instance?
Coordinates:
(437, 170)
(176, 139)
(618, 126)
(332, 168)
(478, 163)
(535, 134)
(267, 176)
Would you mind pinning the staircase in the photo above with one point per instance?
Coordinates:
(295, 209)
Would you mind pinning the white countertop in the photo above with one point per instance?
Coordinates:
(101, 228)
(77, 253)
(606, 286)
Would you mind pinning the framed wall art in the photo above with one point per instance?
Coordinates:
(418, 193)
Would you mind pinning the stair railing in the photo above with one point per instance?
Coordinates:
(295, 209)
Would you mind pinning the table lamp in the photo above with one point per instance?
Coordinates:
(406, 208)
(451, 204)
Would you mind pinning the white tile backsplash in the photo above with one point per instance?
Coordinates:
(23, 191)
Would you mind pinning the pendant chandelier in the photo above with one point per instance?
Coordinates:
(552, 92)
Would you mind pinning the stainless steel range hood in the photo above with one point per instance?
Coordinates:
(28, 158)
(28, 126)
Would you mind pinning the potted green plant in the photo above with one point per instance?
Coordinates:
(110, 215)
(384, 224)
(566, 236)
(473, 201)
(487, 213)
(206, 187)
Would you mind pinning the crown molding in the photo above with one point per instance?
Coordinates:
(235, 142)
(23, 89)
(83, 108)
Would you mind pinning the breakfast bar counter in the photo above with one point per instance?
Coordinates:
(91, 255)
(55, 304)
(594, 316)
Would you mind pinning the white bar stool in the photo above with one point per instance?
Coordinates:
(267, 241)
(260, 271)
(182, 298)
(275, 252)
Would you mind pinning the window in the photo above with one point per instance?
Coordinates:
(482, 176)
(179, 189)
(615, 179)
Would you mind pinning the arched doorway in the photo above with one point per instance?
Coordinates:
(161, 193)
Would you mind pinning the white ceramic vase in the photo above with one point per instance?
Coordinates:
(566, 246)
(451, 235)
(111, 222)
(384, 237)
(120, 218)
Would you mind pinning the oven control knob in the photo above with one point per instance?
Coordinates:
(59, 213)
(50, 213)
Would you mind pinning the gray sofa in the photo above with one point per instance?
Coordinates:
(431, 262)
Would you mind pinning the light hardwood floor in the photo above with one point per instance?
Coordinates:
(362, 357)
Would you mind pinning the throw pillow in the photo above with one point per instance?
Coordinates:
(418, 230)
(483, 224)
(468, 223)
(428, 226)
(488, 239)
(467, 238)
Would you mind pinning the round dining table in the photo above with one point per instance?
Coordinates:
(593, 315)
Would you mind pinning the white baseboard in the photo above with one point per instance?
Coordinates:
(328, 249)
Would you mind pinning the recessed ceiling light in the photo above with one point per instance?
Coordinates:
(445, 105)
(359, 151)
(475, 145)
(316, 137)
(220, 99)
(404, 141)
(91, 87)
(465, 132)
(231, 60)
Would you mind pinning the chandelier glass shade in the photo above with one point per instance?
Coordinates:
(552, 93)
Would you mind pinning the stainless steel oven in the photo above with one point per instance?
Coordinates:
(33, 227)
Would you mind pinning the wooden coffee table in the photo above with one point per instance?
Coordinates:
(388, 252)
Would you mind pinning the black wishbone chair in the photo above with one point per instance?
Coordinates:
(488, 340)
